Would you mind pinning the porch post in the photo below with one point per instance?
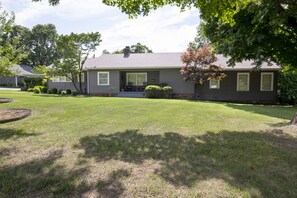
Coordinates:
(88, 82)
(16, 80)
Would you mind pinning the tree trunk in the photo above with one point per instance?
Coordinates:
(294, 119)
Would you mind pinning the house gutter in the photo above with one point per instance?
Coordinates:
(88, 84)
(152, 68)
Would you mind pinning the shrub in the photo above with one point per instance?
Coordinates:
(63, 92)
(74, 92)
(43, 89)
(24, 89)
(59, 91)
(40, 89)
(68, 91)
(153, 91)
(287, 93)
(49, 91)
(167, 92)
(30, 90)
(54, 90)
(36, 90)
(31, 82)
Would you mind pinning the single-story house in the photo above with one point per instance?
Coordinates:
(20, 72)
(123, 74)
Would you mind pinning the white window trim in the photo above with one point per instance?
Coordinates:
(103, 72)
(272, 80)
(219, 82)
(136, 78)
(82, 77)
(248, 83)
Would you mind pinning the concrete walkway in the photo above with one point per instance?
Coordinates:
(9, 88)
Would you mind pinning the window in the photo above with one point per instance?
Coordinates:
(136, 78)
(82, 77)
(55, 79)
(243, 81)
(214, 84)
(266, 81)
(61, 79)
(103, 78)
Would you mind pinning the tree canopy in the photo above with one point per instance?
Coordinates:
(139, 48)
(136, 48)
(39, 43)
(11, 52)
(260, 30)
(43, 47)
(74, 50)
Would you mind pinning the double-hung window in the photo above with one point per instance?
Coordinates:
(61, 79)
(266, 81)
(82, 77)
(214, 84)
(243, 81)
(103, 78)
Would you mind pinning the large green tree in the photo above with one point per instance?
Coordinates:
(40, 43)
(11, 52)
(74, 50)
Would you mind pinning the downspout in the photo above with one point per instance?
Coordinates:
(88, 82)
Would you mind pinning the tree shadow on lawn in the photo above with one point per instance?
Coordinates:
(62, 96)
(282, 112)
(43, 178)
(14, 133)
(263, 161)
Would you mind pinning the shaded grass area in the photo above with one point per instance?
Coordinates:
(14, 133)
(243, 159)
(114, 147)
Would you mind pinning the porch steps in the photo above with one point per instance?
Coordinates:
(131, 94)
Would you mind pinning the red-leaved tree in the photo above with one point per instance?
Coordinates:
(199, 65)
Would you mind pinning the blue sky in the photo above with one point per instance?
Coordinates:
(164, 30)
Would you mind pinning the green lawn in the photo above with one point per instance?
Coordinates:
(113, 147)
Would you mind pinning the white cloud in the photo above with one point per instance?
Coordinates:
(27, 10)
(166, 29)
(163, 30)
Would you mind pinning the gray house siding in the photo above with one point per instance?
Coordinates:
(68, 85)
(173, 78)
(112, 88)
(10, 80)
(228, 90)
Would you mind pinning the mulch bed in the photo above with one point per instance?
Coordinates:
(5, 100)
(12, 114)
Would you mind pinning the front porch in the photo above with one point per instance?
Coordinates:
(136, 81)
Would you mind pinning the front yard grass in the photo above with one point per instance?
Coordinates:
(113, 147)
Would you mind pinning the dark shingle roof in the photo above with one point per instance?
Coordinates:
(157, 61)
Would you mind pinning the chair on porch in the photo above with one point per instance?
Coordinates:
(143, 86)
(129, 86)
